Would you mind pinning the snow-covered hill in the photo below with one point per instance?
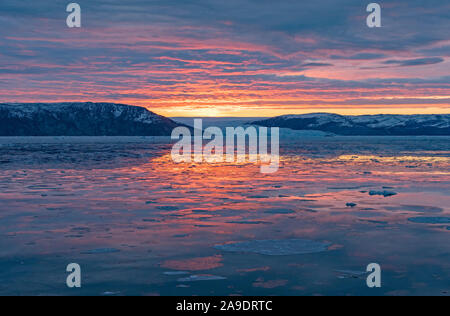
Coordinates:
(401, 125)
(81, 119)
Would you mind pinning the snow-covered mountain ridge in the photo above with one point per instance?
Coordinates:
(81, 119)
(383, 124)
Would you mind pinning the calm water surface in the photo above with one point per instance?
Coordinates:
(138, 224)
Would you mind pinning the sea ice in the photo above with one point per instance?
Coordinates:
(200, 211)
(258, 197)
(383, 193)
(167, 208)
(343, 274)
(279, 211)
(196, 278)
(151, 220)
(415, 208)
(422, 208)
(276, 247)
(248, 222)
(430, 220)
(110, 293)
(100, 251)
(175, 273)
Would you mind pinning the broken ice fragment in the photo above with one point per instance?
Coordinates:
(383, 193)
(276, 247)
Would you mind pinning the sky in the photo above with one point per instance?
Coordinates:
(230, 57)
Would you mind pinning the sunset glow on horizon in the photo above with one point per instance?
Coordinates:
(234, 58)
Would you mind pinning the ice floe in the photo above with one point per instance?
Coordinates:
(151, 220)
(430, 220)
(279, 211)
(197, 278)
(170, 273)
(276, 247)
(416, 208)
(383, 193)
(258, 197)
(167, 208)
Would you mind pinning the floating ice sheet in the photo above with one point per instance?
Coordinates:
(170, 273)
(416, 208)
(167, 208)
(276, 247)
(430, 220)
(279, 211)
(383, 193)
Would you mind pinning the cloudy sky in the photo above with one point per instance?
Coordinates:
(230, 57)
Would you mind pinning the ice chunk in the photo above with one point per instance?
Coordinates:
(383, 193)
(196, 278)
(276, 247)
(430, 220)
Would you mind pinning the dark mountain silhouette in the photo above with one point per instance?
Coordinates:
(81, 119)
